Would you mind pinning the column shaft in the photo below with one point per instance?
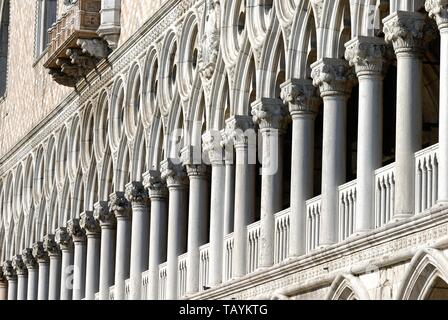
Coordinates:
(12, 288)
(22, 285)
(107, 260)
(55, 277)
(92, 265)
(33, 281)
(79, 271)
(67, 274)
(42, 291)
(123, 255)
(443, 119)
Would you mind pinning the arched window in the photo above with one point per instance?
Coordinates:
(46, 16)
(4, 44)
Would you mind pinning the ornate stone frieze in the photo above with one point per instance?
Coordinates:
(9, 270)
(333, 77)
(120, 205)
(173, 173)
(240, 129)
(367, 54)
(89, 224)
(19, 266)
(51, 246)
(28, 258)
(301, 96)
(438, 10)
(39, 252)
(156, 186)
(74, 229)
(209, 46)
(63, 238)
(136, 193)
(270, 114)
(409, 32)
(104, 215)
(211, 145)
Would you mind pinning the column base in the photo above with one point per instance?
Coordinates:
(400, 217)
(359, 233)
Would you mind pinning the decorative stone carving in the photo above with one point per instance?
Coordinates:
(93, 47)
(136, 193)
(105, 216)
(28, 258)
(69, 2)
(51, 246)
(156, 186)
(191, 155)
(367, 54)
(211, 144)
(89, 224)
(209, 46)
(39, 253)
(74, 229)
(19, 266)
(174, 174)
(270, 114)
(333, 77)
(8, 270)
(409, 32)
(438, 10)
(240, 129)
(63, 238)
(120, 205)
(301, 96)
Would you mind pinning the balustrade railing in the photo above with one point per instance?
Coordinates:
(384, 194)
(97, 296)
(182, 275)
(228, 257)
(253, 246)
(313, 207)
(426, 178)
(204, 267)
(145, 283)
(127, 289)
(347, 209)
(282, 230)
(112, 293)
(162, 281)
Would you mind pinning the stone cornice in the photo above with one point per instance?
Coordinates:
(334, 77)
(438, 10)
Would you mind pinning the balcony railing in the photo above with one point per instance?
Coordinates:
(204, 267)
(145, 283)
(347, 209)
(384, 194)
(228, 257)
(313, 208)
(162, 281)
(426, 178)
(127, 289)
(74, 46)
(253, 246)
(112, 293)
(282, 229)
(182, 275)
(97, 296)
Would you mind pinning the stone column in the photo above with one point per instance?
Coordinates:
(3, 286)
(11, 276)
(65, 242)
(408, 32)
(108, 224)
(122, 209)
(213, 149)
(335, 78)
(367, 55)
(302, 98)
(43, 260)
(438, 10)
(158, 194)
(229, 185)
(270, 116)
(22, 277)
(93, 232)
(177, 183)
(54, 253)
(240, 128)
(79, 260)
(33, 272)
(137, 195)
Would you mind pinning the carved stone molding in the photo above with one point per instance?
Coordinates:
(74, 229)
(39, 252)
(104, 215)
(270, 114)
(209, 46)
(409, 32)
(438, 10)
(8, 270)
(28, 258)
(152, 180)
(120, 205)
(334, 77)
(301, 96)
(368, 55)
(64, 239)
(136, 193)
(51, 246)
(174, 174)
(89, 224)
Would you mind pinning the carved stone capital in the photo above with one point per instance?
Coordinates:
(156, 186)
(409, 32)
(334, 77)
(51, 246)
(367, 54)
(64, 239)
(120, 205)
(191, 155)
(438, 10)
(240, 129)
(39, 253)
(136, 193)
(89, 224)
(28, 258)
(174, 174)
(270, 114)
(74, 229)
(19, 266)
(104, 215)
(301, 96)
(197, 171)
(211, 144)
(9, 270)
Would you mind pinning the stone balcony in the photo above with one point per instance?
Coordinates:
(74, 46)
